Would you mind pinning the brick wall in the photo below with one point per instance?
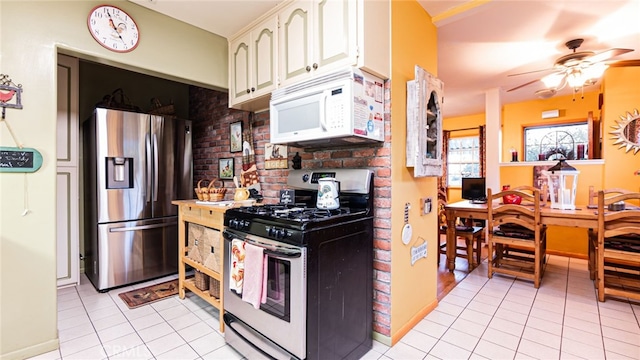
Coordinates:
(211, 119)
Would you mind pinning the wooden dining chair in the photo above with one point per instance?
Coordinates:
(472, 235)
(516, 238)
(618, 247)
(593, 233)
(544, 192)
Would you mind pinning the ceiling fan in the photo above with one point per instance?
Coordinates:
(576, 69)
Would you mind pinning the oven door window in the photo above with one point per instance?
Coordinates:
(278, 288)
(278, 301)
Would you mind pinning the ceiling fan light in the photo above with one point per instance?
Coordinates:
(575, 78)
(552, 81)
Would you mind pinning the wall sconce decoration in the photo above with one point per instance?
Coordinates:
(626, 132)
(7, 92)
(562, 180)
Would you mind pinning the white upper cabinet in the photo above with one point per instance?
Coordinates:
(253, 66)
(300, 39)
(315, 37)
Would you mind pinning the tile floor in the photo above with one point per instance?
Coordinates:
(501, 318)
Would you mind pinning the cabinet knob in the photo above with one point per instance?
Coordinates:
(315, 66)
(308, 68)
(248, 91)
(253, 89)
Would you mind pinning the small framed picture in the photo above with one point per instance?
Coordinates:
(225, 168)
(235, 133)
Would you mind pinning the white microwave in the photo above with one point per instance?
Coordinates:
(340, 108)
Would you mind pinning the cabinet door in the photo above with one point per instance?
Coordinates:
(67, 232)
(296, 36)
(67, 188)
(335, 40)
(264, 42)
(239, 65)
(252, 63)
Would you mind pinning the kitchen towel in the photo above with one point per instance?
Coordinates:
(236, 275)
(254, 287)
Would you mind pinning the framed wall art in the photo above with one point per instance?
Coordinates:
(235, 134)
(225, 168)
(275, 156)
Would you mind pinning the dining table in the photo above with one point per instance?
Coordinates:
(584, 216)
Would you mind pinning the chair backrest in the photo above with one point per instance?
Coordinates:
(593, 194)
(616, 223)
(442, 202)
(544, 191)
(525, 214)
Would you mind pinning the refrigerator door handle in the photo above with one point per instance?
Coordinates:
(148, 163)
(155, 168)
(142, 227)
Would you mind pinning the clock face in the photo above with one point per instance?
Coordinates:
(113, 28)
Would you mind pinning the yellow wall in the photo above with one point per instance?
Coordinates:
(515, 117)
(621, 95)
(31, 33)
(413, 288)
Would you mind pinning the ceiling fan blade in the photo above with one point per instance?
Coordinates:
(530, 72)
(608, 54)
(523, 85)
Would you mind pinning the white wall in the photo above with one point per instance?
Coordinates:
(31, 34)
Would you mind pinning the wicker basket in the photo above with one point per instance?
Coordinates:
(201, 191)
(210, 192)
(214, 288)
(158, 109)
(201, 280)
(216, 194)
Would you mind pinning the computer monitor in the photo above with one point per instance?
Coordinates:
(474, 188)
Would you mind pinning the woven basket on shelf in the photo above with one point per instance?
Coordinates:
(210, 192)
(201, 280)
(215, 193)
(201, 192)
(214, 288)
(158, 109)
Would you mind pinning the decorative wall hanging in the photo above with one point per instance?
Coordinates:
(626, 132)
(15, 159)
(225, 168)
(275, 156)
(424, 124)
(418, 252)
(235, 135)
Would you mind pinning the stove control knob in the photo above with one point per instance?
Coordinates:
(245, 224)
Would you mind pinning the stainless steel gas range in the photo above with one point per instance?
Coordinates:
(319, 272)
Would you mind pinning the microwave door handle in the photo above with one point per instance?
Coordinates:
(323, 109)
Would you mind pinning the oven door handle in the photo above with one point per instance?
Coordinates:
(276, 251)
(269, 249)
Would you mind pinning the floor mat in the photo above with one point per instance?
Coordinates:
(147, 295)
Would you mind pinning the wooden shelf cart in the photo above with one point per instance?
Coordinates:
(211, 217)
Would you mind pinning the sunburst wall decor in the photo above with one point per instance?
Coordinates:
(626, 132)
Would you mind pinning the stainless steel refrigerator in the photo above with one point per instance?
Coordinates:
(134, 166)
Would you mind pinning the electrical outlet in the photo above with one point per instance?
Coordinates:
(425, 205)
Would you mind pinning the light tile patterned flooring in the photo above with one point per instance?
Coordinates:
(501, 318)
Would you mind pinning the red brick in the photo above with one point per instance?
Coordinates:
(381, 265)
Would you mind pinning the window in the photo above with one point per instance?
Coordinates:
(569, 141)
(463, 159)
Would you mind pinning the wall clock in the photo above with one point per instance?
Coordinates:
(113, 28)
